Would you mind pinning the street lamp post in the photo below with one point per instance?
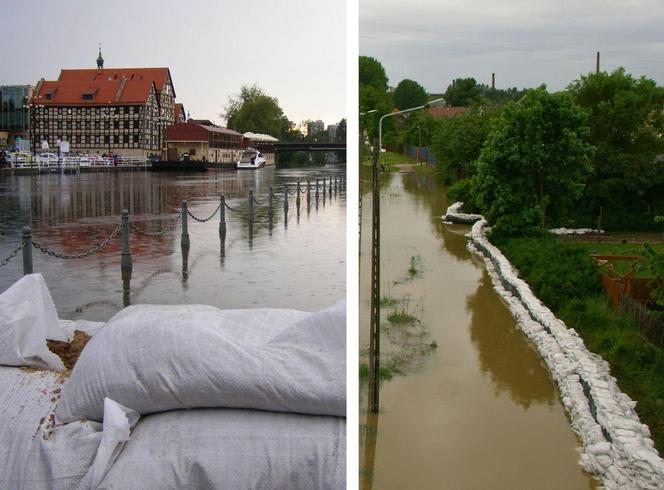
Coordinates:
(374, 334)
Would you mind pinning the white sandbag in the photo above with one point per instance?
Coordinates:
(118, 422)
(232, 449)
(87, 326)
(27, 318)
(157, 358)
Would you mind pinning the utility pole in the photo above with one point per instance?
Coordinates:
(597, 64)
(374, 334)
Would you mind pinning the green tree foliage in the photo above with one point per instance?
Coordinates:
(534, 162)
(409, 94)
(653, 262)
(340, 136)
(374, 96)
(458, 142)
(372, 73)
(626, 119)
(253, 110)
(463, 92)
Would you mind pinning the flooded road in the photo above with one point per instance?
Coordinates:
(299, 264)
(470, 405)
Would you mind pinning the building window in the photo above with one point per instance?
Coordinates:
(116, 139)
(107, 139)
(88, 96)
(135, 138)
(116, 124)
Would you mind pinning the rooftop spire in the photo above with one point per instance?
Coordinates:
(100, 60)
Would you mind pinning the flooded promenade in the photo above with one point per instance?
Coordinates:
(470, 404)
(295, 264)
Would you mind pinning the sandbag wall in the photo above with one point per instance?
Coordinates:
(616, 446)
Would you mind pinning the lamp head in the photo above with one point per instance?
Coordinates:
(435, 103)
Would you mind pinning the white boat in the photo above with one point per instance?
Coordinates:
(251, 159)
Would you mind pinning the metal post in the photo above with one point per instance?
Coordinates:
(184, 238)
(27, 250)
(335, 184)
(308, 193)
(324, 188)
(374, 333)
(269, 201)
(222, 218)
(297, 195)
(316, 189)
(251, 206)
(125, 260)
(285, 198)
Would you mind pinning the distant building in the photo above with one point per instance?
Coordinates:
(14, 120)
(315, 127)
(180, 114)
(332, 132)
(118, 110)
(202, 143)
(446, 111)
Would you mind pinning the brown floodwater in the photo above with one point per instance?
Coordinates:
(474, 406)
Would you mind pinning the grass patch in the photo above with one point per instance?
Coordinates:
(385, 373)
(401, 318)
(388, 302)
(425, 169)
(564, 277)
(416, 266)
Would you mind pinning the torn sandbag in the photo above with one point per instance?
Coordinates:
(27, 318)
(157, 358)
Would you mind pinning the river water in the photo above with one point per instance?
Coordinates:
(277, 264)
(474, 406)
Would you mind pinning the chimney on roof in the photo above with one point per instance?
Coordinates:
(493, 81)
(100, 60)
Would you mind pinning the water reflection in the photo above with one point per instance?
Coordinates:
(526, 380)
(251, 264)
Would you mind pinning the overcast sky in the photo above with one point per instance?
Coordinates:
(294, 49)
(525, 42)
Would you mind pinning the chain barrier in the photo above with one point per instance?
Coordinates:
(259, 202)
(11, 255)
(92, 251)
(292, 193)
(200, 220)
(230, 208)
(155, 234)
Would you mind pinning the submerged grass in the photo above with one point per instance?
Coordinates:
(564, 277)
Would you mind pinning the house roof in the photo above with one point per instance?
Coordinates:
(259, 137)
(446, 111)
(179, 110)
(110, 86)
(194, 132)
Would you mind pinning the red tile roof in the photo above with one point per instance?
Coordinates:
(194, 132)
(179, 110)
(109, 86)
(446, 111)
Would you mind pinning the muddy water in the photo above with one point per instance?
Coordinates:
(478, 410)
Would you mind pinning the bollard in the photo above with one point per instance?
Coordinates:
(308, 193)
(251, 206)
(270, 196)
(125, 260)
(27, 250)
(324, 188)
(335, 184)
(316, 189)
(222, 218)
(285, 198)
(297, 194)
(184, 238)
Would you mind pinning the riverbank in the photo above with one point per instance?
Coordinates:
(73, 170)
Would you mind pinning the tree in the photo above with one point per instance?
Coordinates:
(372, 73)
(253, 110)
(458, 142)
(409, 94)
(626, 119)
(340, 136)
(463, 92)
(534, 163)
